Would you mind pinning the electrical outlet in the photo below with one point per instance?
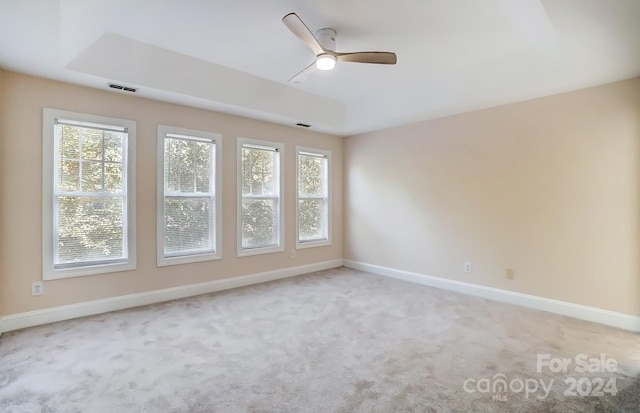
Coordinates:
(467, 267)
(510, 274)
(293, 253)
(37, 288)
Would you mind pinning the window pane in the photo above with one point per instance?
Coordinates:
(202, 174)
(179, 165)
(257, 171)
(187, 165)
(187, 225)
(258, 221)
(91, 141)
(69, 175)
(68, 142)
(92, 176)
(113, 146)
(113, 177)
(310, 219)
(310, 175)
(172, 164)
(89, 229)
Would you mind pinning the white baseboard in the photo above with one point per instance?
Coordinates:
(67, 312)
(596, 315)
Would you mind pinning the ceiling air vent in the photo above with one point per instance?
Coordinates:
(120, 87)
(303, 125)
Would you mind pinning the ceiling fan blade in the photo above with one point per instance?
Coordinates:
(382, 58)
(302, 32)
(303, 74)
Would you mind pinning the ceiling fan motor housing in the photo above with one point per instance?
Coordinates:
(327, 39)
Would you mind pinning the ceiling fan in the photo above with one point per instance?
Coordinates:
(323, 45)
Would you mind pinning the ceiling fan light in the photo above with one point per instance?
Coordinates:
(326, 62)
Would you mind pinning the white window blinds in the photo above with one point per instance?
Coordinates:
(189, 204)
(313, 196)
(89, 194)
(260, 196)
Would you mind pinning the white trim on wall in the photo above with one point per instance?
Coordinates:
(582, 312)
(68, 312)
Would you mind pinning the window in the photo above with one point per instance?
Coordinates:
(88, 194)
(260, 218)
(188, 205)
(312, 180)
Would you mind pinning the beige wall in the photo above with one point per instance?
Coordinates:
(549, 188)
(24, 97)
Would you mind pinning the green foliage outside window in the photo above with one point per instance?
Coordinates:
(311, 197)
(188, 180)
(260, 198)
(89, 194)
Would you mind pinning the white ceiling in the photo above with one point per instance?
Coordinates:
(235, 56)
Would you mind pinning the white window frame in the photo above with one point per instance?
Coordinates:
(327, 198)
(49, 174)
(279, 148)
(216, 139)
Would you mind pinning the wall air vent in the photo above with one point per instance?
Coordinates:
(303, 125)
(120, 87)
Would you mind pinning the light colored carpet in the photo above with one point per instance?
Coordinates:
(334, 341)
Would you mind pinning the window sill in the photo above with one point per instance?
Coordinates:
(51, 274)
(311, 244)
(259, 251)
(187, 259)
